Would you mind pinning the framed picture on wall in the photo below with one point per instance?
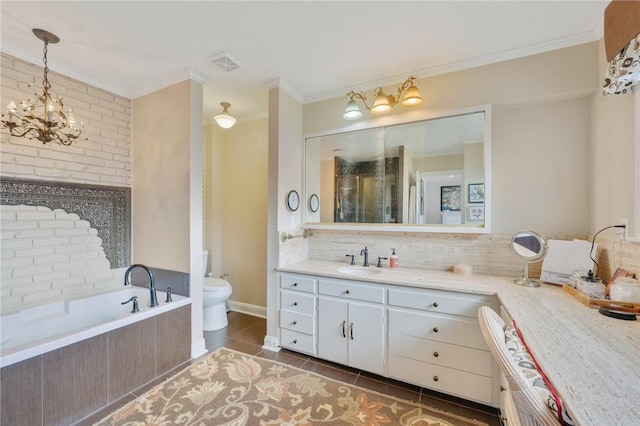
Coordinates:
(476, 193)
(475, 213)
(450, 198)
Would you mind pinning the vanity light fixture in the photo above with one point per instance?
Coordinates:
(383, 103)
(43, 118)
(225, 120)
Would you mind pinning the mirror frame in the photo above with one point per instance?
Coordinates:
(405, 118)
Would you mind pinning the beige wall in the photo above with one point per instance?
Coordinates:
(161, 178)
(540, 133)
(612, 165)
(236, 207)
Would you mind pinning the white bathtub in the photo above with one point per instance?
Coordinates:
(35, 331)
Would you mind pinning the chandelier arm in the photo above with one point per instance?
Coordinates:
(361, 96)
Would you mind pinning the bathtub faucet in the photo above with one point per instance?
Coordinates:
(152, 285)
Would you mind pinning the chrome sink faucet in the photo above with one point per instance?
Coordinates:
(152, 285)
(365, 252)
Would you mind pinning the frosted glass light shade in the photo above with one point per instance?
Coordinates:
(225, 120)
(412, 97)
(352, 111)
(381, 105)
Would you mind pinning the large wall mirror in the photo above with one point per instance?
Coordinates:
(432, 174)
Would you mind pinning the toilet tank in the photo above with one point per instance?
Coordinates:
(205, 259)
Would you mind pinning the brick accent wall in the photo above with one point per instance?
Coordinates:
(103, 159)
(51, 255)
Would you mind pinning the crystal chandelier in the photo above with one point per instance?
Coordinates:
(383, 103)
(43, 118)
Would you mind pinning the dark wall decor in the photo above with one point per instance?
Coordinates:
(106, 208)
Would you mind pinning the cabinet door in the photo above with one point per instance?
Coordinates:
(366, 337)
(332, 330)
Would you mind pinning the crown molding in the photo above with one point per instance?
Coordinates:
(505, 55)
(282, 85)
(179, 77)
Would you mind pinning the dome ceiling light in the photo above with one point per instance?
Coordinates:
(225, 120)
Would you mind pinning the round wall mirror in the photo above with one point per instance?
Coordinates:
(530, 247)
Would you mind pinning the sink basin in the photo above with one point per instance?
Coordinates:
(359, 271)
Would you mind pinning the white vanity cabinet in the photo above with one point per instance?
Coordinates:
(351, 324)
(298, 313)
(435, 341)
(427, 337)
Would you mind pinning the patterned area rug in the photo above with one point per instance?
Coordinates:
(232, 388)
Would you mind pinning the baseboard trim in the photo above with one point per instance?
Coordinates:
(246, 308)
(271, 344)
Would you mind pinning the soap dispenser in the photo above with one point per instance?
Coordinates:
(393, 259)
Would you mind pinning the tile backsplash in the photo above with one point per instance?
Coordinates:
(487, 254)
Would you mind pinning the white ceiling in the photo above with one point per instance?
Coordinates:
(318, 49)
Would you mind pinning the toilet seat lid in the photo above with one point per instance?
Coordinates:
(214, 284)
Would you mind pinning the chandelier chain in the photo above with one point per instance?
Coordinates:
(45, 82)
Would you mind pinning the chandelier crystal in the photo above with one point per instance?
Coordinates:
(43, 118)
(383, 103)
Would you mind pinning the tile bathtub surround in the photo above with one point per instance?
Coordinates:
(487, 254)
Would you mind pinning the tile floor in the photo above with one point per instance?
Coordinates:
(245, 333)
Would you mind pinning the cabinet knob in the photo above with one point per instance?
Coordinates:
(295, 342)
(435, 378)
(502, 388)
(435, 329)
(347, 292)
(435, 304)
(295, 303)
(436, 354)
(294, 323)
(295, 284)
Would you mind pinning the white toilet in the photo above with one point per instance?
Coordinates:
(215, 292)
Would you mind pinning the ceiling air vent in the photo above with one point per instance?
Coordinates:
(225, 61)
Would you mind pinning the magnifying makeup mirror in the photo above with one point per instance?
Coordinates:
(531, 248)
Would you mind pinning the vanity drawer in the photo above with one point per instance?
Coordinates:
(350, 290)
(295, 341)
(445, 354)
(439, 301)
(444, 379)
(297, 322)
(297, 302)
(440, 327)
(298, 282)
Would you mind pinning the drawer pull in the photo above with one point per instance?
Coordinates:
(436, 354)
(295, 303)
(351, 330)
(347, 292)
(295, 284)
(344, 332)
(295, 342)
(294, 322)
(435, 304)
(435, 329)
(435, 378)
(502, 388)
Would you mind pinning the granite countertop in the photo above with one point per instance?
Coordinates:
(592, 360)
